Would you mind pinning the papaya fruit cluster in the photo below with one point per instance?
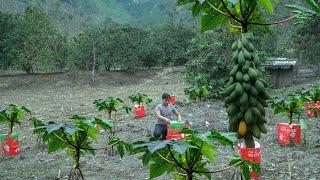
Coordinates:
(245, 92)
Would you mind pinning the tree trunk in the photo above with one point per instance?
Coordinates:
(94, 60)
(28, 68)
(249, 141)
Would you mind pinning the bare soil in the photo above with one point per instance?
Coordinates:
(59, 96)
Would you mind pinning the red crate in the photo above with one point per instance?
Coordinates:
(173, 133)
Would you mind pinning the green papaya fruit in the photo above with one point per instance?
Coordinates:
(234, 46)
(246, 54)
(254, 91)
(244, 99)
(264, 94)
(246, 66)
(264, 82)
(263, 102)
(232, 109)
(238, 89)
(253, 73)
(262, 128)
(251, 48)
(252, 101)
(234, 70)
(248, 117)
(230, 88)
(227, 100)
(235, 55)
(262, 120)
(231, 81)
(236, 118)
(259, 86)
(261, 109)
(246, 86)
(241, 58)
(239, 76)
(233, 96)
(244, 108)
(256, 112)
(240, 46)
(246, 78)
(256, 131)
(245, 41)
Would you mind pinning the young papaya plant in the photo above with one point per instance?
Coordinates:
(76, 138)
(188, 158)
(246, 93)
(12, 115)
(39, 132)
(199, 94)
(112, 106)
(291, 106)
(312, 96)
(140, 98)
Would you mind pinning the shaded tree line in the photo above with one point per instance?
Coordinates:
(30, 42)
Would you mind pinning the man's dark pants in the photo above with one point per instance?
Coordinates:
(160, 131)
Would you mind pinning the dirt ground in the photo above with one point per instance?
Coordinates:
(59, 96)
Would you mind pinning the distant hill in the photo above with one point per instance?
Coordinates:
(73, 15)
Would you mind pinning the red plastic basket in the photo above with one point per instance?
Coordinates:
(10, 147)
(287, 133)
(173, 133)
(172, 100)
(139, 111)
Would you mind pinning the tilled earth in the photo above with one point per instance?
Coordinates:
(57, 97)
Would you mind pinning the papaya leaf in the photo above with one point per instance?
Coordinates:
(159, 168)
(210, 21)
(156, 145)
(266, 4)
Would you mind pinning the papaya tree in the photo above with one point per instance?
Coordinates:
(291, 106)
(12, 115)
(199, 94)
(112, 106)
(140, 98)
(245, 94)
(76, 138)
(188, 158)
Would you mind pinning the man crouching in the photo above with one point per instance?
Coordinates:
(164, 113)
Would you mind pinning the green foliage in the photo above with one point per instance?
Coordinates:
(291, 106)
(209, 50)
(244, 13)
(306, 41)
(312, 11)
(40, 132)
(12, 115)
(76, 137)
(311, 94)
(140, 98)
(174, 41)
(200, 93)
(111, 104)
(188, 158)
(30, 41)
